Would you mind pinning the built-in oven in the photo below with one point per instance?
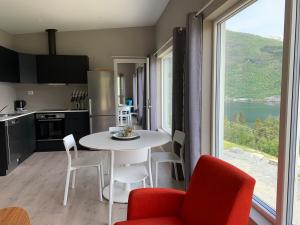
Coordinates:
(50, 126)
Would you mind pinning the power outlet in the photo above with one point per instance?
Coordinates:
(30, 92)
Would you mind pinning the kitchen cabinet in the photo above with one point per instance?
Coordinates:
(77, 123)
(27, 68)
(76, 68)
(9, 65)
(50, 69)
(62, 69)
(28, 137)
(17, 142)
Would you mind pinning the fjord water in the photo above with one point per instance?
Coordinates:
(251, 111)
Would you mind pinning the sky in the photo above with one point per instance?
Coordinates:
(264, 18)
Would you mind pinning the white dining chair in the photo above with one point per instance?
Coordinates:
(170, 157)
(124, 115)
(129, 167)
(75, 163)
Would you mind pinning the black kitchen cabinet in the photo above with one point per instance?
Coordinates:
(76, 68)
(9, 65)
(77, 123)
(17, 142)
(27, 68)
(62, 69)
(50, 69)
(28, 137)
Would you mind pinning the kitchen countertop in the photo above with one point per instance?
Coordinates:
(5, 118)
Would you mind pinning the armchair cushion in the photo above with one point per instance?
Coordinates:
(153, 221)
(159, 202)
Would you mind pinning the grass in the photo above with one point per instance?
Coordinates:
(228, 145)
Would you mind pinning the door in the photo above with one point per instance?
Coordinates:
(146, 93)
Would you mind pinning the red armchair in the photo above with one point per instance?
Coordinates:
(219, 194)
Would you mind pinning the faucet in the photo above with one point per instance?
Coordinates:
(4, 108)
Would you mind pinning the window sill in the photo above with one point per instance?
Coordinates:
(260, 215)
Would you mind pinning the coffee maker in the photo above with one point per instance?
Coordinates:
(20, 105)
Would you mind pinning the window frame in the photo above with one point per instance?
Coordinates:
(161, 57)
(294, 105)
(280, 215)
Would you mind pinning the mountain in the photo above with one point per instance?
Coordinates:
(255, 61)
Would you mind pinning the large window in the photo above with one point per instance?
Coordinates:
(249, 71)
(166, 92)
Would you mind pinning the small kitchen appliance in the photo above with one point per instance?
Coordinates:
(20, 105)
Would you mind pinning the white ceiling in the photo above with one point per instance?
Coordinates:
(28, 16)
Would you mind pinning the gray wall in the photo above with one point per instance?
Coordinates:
(99, 45)
(175, 16)
(6, 39)
(47, 96)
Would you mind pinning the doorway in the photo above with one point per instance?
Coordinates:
(131, 77)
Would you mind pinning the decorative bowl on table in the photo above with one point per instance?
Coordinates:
(126, 134)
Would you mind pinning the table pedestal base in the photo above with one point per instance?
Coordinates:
(121, 193)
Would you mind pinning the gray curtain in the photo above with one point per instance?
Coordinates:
(192, 92)
(179, 43)
(153, 92)
(140, 84)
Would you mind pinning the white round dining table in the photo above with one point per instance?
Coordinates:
(103, 141)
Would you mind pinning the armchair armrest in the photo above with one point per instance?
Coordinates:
(154, 202)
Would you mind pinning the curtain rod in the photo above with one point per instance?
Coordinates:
(204, 7)
(164, 45)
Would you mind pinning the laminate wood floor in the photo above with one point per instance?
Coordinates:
(37, 185)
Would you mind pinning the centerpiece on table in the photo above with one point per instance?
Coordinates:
(126, 134)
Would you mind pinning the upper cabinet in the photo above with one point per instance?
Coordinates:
(9, 68)
(76, 68)
(27, 67)
(62, 69)
(50, 69)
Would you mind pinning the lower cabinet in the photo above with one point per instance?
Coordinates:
(76, 123)
(17, 142)
(18, 138)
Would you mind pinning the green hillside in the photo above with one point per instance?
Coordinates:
(255, 61)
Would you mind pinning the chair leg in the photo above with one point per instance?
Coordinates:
(183, 172)
(102, 175)
(73, 178)
(111, 187)
(100, 183)
(176, 172)
(67, 187)
(156, 174)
